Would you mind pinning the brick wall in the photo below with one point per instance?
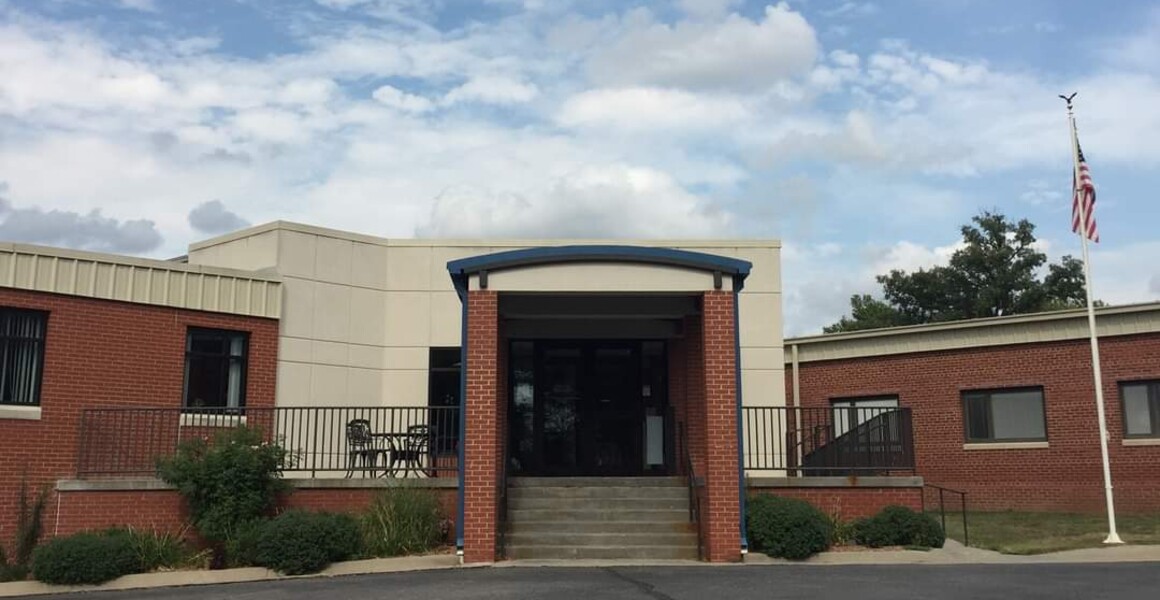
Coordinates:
(101, 353)
(1064, 476)
(163, 510)
(850, 502)
(481, 450)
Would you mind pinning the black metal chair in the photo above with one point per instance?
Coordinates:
(363, 447)
(411, 450)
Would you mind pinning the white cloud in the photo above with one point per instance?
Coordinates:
(142, 5)
(707, 9)
(733, 53)
(848, 10)
(396, 98)
(492, 90)
(614, 201)
(650, 109)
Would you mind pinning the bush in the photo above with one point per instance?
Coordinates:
(899, 526)
(787, 527)
(85, 558)
(402, 521)
(156, 550)
(241, 550)
(233, 480)
(298, 542)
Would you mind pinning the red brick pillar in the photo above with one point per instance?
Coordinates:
(722, 514)
(481, 450)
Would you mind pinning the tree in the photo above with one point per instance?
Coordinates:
(996, 272)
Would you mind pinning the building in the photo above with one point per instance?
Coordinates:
(642, 379)
(1004, 408)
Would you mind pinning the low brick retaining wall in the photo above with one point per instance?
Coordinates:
(150, 504)
(847, 497)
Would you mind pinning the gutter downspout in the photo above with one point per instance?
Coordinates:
(797, 404)
(737, 285)
(461, 291)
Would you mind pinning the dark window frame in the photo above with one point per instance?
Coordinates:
(1152, 387)
(40, 343)
(450, 445)
(244, 359)
(965, 396)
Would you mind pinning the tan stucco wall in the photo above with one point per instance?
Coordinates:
(360, 313)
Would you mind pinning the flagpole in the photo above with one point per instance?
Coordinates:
(1113, 536)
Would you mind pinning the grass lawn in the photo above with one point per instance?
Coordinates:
(1036, 533)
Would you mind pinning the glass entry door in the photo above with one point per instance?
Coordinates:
(583, 408)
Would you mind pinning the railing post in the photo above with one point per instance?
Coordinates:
(966, 536)
(942, 510)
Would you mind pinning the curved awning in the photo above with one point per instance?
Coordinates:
(464, 268)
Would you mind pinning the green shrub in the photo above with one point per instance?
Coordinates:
(402, 521)
(85, 558)
(156, 550)
(234, 479)
(899, 526)
(241, 550)
(298, 542)
(787, 527)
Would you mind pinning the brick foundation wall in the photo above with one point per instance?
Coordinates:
(849, 502)
(1065, 476)
(163, 510)
(102, 353)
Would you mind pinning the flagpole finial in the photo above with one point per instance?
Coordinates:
(1068, 99)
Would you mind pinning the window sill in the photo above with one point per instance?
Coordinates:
(193, 419)
(1142, 442)
(20, 413)
(1004, 445)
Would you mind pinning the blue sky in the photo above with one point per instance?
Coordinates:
(862, 134)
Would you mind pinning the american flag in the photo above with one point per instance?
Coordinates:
(1085, 192)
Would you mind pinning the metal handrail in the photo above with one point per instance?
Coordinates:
(942, 508)
(691, 475)
(128, 441)
(502, 501)
(806, 440)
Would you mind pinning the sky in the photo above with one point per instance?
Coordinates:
(861, 134)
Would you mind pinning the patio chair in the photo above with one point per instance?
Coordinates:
(363, 449)
(411, 451)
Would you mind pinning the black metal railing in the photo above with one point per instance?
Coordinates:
(828, 441)
(411, 441)
(931, 493)
(502, 502)
(690, 473)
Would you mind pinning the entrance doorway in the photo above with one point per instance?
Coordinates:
(587, 407)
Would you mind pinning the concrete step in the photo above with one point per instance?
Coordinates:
(687, 538)
(596, 482)
(608, 504)
(521, 515)
(546, 552)
(535, 527)
(675, 492)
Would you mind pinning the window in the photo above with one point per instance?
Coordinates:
(852, 412)
(21, 356)
(443, 391)
(215, 368)
(1013, 415)
(1141, 408)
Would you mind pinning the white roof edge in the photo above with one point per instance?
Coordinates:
(987, 322)
(484, 242)
(148, 263)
